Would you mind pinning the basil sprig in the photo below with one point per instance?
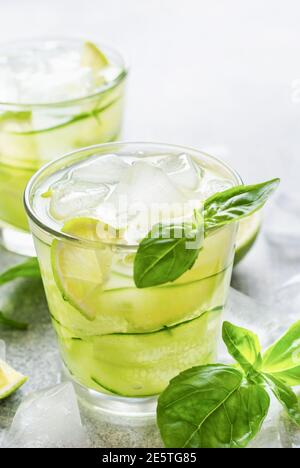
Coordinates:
(218, 406)
(162, 256)
(236, 203)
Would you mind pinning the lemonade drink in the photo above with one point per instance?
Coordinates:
(55, 96)
(115, 338)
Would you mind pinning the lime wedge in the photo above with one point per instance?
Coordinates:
(248, 231)
(81, 270)
(10, 380)
(92, 57)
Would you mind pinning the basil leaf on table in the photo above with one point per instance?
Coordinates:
(211, 407)
(8, 322)
(285, 396)
(218, 406)
(236, 203)
(282, 359)
(28, 269)
(163, 256)
(244, 347)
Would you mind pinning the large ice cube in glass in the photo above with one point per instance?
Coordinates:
(107, 169)
(144, 190)
(182, 170)
(72, 198)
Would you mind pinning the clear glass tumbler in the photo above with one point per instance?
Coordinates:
(120, 344)
(33, 133)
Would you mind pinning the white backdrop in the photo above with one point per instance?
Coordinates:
(215, 74)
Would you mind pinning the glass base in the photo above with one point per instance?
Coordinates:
(111, 404)
(19, 242)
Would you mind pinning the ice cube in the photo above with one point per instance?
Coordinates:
(289, 432)
(73, 198)
(8, 86)
(2, 350)
(212, 186)
(58, 85)
(182, 170)
(146, 184)
(106, 169)
(48, 419)
(50, 72)
(269, 435)
(144, 192)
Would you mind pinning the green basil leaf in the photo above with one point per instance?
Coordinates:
(282, 359)
(244, 347)
(163, 255)
(211, 407)
(285, 396)
(8, 322)
(236, 203)
(28, 269)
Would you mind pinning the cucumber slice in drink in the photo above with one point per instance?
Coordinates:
(91, 291)
(249, 229)
(138, 365)
(16, 147)
(10, 380)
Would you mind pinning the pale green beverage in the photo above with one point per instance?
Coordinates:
(55, 96)
(122, 344)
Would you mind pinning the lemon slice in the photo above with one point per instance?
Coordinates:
(80, 270)
(10, 380)
(92, 57)
(247, 234)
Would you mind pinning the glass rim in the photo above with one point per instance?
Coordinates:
(124, 70)
(58, 234)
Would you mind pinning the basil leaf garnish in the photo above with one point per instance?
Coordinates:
(236, 203)
(162, 256)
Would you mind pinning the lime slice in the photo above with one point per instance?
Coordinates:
(248, 231)
(80, 270)
(92, 57)
(10, 380)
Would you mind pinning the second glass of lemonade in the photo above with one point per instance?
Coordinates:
(55, 96)
(89, 211)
